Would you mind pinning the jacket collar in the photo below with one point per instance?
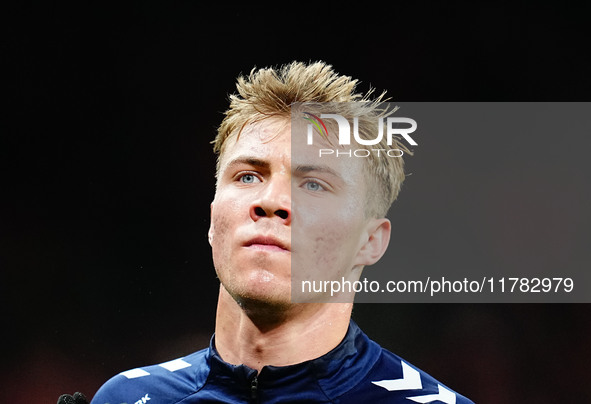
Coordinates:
(326, 377)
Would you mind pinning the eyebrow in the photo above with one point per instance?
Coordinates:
(251, 161)
(307, 168)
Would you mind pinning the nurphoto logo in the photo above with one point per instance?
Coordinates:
(390, 127)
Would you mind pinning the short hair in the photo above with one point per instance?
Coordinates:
(271, 92)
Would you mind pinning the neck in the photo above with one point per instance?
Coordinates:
(278, 337)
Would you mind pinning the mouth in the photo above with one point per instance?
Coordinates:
(267, 243)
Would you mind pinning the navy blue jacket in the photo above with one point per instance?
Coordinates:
(358, 370)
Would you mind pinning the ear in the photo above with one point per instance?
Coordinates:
(374, 247)
(210, 231)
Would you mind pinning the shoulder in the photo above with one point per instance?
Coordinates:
(424, 385)
(393, 379)
(165, 383)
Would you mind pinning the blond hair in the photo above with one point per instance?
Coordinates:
(271, 92)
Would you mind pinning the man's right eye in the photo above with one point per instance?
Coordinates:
(248, 178)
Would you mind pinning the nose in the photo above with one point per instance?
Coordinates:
(274, 201)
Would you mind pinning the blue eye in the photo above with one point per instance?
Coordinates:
(313, 186)
(248, 178)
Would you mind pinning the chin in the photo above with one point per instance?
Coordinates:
(267, 300)
(268, 294)
(266, 312)
(258, 287)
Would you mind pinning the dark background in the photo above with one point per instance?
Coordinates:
(107, 176)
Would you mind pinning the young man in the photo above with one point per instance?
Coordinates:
(278, 209)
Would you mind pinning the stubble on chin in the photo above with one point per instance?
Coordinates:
(264, 310)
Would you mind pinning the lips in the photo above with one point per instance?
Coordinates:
(267, 243)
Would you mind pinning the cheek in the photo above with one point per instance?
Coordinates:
(336, 244)
(226, 209)
(328, 249)
(328, 242)
(221, 226)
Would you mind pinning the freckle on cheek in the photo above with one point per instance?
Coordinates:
(220, 226)
(221, 222)
(327, 245)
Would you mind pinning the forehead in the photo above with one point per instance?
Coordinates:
(270, 137)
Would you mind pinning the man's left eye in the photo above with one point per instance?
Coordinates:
(313, 186)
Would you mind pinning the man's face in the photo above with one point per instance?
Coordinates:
(279, 209)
